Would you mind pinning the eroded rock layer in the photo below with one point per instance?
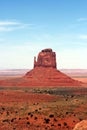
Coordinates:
(42, 76)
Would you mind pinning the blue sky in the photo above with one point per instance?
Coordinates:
(28, 26)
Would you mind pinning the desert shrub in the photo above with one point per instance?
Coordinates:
(55, 119)
(13, 119)
(6, 120)
(66, 99)
(28, 123)
(67, 113)
(80, 119)
(29, 113)
(38, 126)
(52, 124)
(27, 118)
(67, 127)
(47, 128)
(35, 103)
(72, 96)
(51, 115)
(59, 124)
(74, 115)
(16, 112)
(47, 120)
(3, 108)
(19, 118)
(36, 110)
(7, 113)
(35, 118)
(73, 121)
(65, 124)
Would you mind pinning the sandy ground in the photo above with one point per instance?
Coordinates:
(26, 109)
(81, 79)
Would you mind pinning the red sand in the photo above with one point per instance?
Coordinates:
(29, 111)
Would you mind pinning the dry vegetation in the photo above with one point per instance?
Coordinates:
(42, 109)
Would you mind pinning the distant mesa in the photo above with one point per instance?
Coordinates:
(43, 74)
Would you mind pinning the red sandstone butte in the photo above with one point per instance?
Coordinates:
(46, 58)
(43, 74)
(45, 71)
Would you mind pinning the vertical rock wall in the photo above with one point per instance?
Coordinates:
(46, 58)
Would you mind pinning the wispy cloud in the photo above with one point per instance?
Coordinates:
(82, 19)
(12, 25)
(6, 28)
(6, 23)
(83, 36)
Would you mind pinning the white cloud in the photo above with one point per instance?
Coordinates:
(6, 23)
(12, 25)
(6, 29)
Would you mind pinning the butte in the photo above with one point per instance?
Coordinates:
(43, 74)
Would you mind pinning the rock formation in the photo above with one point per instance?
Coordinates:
(46, 58)
(43, 74)
(81, 125)
(45, 71)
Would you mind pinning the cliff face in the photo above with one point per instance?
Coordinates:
(46, 58)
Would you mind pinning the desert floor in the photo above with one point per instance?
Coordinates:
(42, 108)
(83, 79)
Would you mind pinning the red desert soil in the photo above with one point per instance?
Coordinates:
(81, 79)
(24, 109)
